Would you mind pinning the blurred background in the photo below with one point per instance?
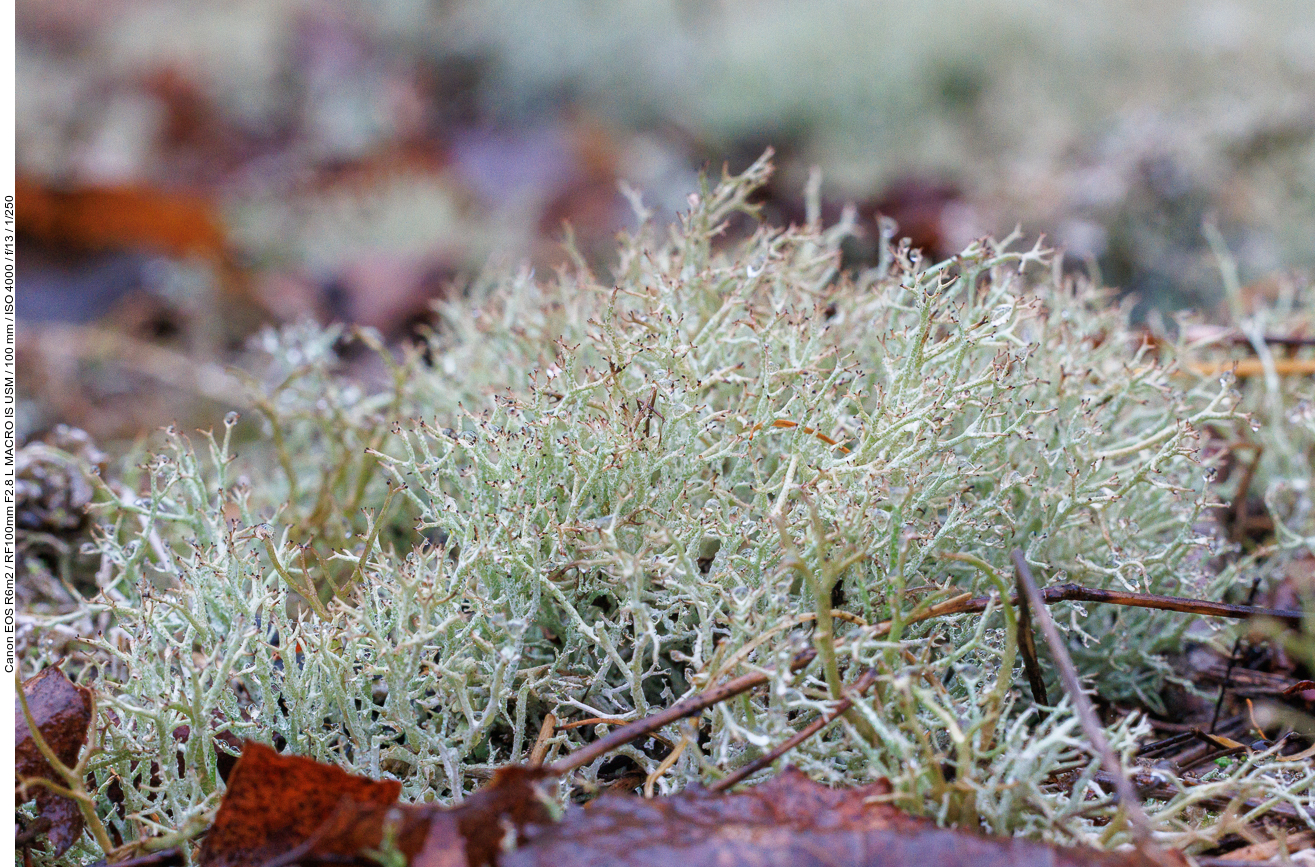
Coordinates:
(190, 172)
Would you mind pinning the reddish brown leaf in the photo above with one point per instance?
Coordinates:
(278, 811)
(62, 712)
(297, 810)
(787, 821)
(511, 799)
(469, 834)
(275, 803)
(354, 829)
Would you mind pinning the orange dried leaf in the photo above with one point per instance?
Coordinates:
(275, 803)
(280, 805)
(125, 217)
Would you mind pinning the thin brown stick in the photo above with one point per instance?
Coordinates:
(860, 686)
(546, 731)
(1086, 714)
(1210, 756)
(1027, 647)
(1291, 341)
(1250, 367)
(611, 721)
(1168, 743)
(1077, 593)
(695, 704)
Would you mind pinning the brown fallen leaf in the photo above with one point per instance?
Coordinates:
(283, 810)
(275, 803)
(472, 834)
(789, 820)
(62, 712)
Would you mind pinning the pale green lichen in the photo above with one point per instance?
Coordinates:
(592, 498)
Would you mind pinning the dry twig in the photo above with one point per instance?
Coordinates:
(1086, 714)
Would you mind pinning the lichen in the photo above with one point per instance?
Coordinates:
(592, 497)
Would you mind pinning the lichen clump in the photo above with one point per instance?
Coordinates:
(590, 499)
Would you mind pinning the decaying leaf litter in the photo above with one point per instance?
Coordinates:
(715, 430)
